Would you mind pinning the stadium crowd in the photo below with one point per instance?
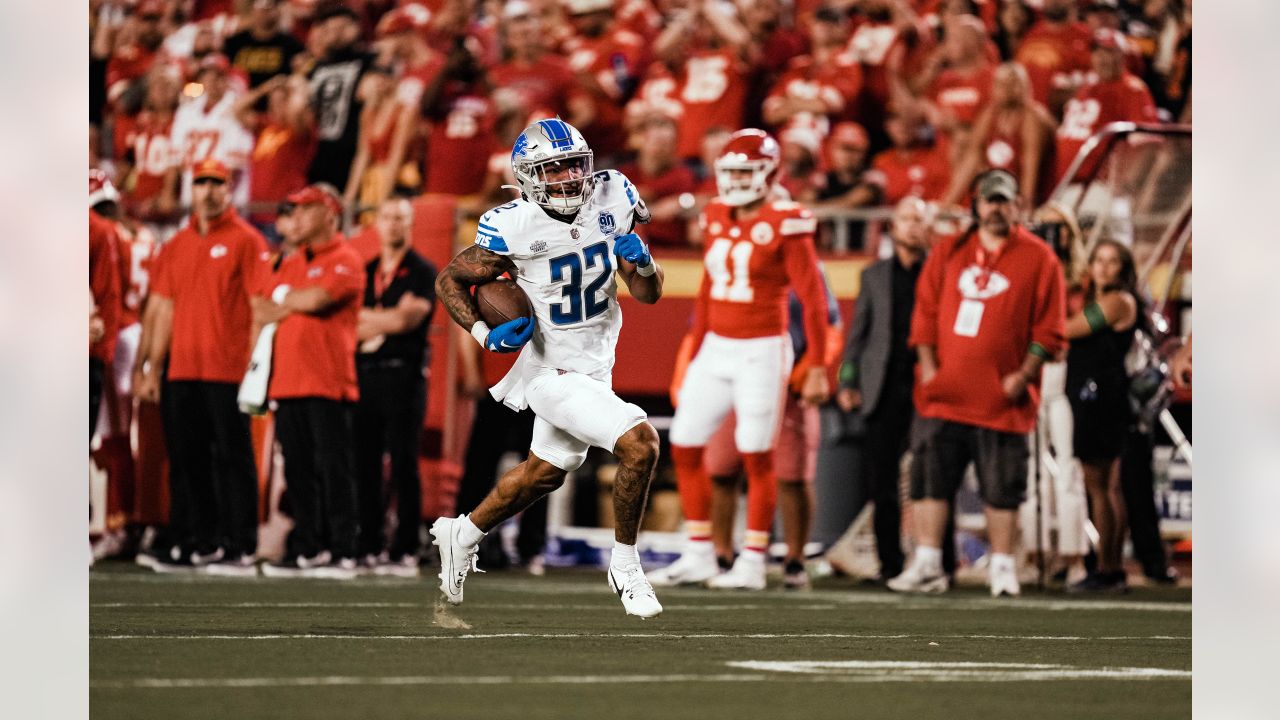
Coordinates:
(309, 117)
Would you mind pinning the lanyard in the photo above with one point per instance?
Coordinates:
(986, 264)
(382, 280)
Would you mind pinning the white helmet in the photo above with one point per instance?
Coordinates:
(555, 146)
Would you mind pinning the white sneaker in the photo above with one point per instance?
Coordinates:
(634, 590)
(1004, 580)
(242, 566)
(339, 569)
(403, 567)
(747, 573)
(695, 565)
(916, 579)
(297, 567)
(456, 559)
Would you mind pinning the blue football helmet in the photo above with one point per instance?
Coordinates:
(550, 149)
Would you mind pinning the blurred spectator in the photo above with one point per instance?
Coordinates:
(878, 372)
(1115, 96)
(988, 313)
(198, 318)
(334, 79)
(1055, 53)
(206, 128)
(1012, 24)
(284, 142)
(846, 185)
(823, 86)
(315, 298)
(800, 173)
(461, 112)
(915, 165)
(146, 144)
(663, 181)
(537, 81)
(1105, 14)
(391, 365)
(609, 60)
(1098, 388)
(1180, 366)
(773, 43)
(132, 46)
(104, 288)
(701, 77)
(1014, 133)
(261, 50)
(885, 43)
(959, 92)
(1161, 32)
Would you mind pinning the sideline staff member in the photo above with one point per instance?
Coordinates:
(391, 368)
(315, 296)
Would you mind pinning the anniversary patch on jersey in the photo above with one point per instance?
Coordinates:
(607, 223)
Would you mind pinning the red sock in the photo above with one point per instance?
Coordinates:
(115, 457)
(694, 486)
(762, 498)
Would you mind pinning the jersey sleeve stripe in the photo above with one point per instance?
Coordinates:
(493, 230)
(492, 242)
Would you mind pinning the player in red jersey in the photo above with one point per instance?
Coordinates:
(1116, 96)
(758, 250)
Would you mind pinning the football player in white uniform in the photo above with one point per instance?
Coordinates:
(563, 241)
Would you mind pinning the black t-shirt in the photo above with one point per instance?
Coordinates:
(262, 59)
(902, 359)
(333, 95)
(417, 276)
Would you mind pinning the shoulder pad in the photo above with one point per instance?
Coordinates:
(497, 226)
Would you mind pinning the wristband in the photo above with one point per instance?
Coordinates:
(278, 295)
(480, 331)
(1039, 351)
(1095, 317)
(647, 270)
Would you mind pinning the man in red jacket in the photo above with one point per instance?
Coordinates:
(988, 313)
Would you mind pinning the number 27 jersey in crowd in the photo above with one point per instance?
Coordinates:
(567, 270)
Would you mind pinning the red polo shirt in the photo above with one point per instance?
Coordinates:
(315, 355)
(209, 278)
(1010, 300)
(104, 283)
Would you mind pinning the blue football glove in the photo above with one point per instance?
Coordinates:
(510, 336)
(632, 249)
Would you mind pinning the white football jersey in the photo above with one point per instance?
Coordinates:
(568, 272)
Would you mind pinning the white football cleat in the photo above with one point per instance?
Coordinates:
(916, 579)
(634, 590)
(456, 559)
(1003, 580)
(697, 564)
(747, 573)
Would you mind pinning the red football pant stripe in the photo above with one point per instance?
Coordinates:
(693, 483)
(762, 492)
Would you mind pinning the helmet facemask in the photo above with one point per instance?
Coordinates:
(734, 189)
(562, 183)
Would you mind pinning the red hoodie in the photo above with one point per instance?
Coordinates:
(1021, 303)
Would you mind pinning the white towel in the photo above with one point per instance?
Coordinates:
(252, 397)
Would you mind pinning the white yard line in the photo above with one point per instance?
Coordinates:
(604, 606)
(654, 636)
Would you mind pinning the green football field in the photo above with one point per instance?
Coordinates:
(561, 647)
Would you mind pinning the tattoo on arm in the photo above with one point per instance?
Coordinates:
(471, 267)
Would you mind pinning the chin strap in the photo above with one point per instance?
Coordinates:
(517, 189)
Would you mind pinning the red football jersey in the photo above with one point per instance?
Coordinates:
(1002, 146)
(1125, 99)
(279, 161)
(614, 62)
(104, 283)
(1055, 58)
(962, 96)
(709, 91)
(750, 266)
(136, 251)
(150, 143)
(836, 84)
(459, 145)
(544, 86)
(925, 172)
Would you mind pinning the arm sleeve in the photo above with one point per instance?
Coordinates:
(1048, 328)
(924, 318)
(857, 336)
(801, 262)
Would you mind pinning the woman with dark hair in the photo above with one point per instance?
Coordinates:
(1098, 388)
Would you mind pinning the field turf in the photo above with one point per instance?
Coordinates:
(560, 647)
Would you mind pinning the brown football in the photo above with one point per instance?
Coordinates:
(502, 301)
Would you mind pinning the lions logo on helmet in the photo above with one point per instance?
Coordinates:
(554, 166)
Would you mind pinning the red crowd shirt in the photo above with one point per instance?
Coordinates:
(963, 95)
(279, 161)
(1003, 146)
(209, 278)
(136, 256)
(836, 84)
(104, 283)
(614, 61)
(750, 267)
(315, 355)
(1093, 107)
(710, 92)
(923, 171)
(459, 145)
(545, 86)
(1055, 57)
(1017, 296)
(149, 141)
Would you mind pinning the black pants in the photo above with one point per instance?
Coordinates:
(213, 482)
(887, 434)
(97, 372)
(1137, 484)
(388, 422)
(315, 439)
(497, 430)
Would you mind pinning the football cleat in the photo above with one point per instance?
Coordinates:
(917, 579)
(1003, 581)
(634, 590)
(795, 577)
(747, 573)
(456, 559)
(697, 564)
